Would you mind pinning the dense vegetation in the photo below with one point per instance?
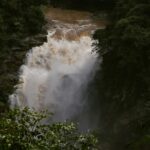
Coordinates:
(24, 130)
(122, 87)
(19, 21)
(92, 5)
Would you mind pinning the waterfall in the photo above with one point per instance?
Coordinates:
(56, 74)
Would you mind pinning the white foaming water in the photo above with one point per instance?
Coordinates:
(56, 74)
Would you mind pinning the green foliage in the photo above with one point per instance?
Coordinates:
(123, 84)
(143, 143)
(93, 5)
(25, 130)
(19, 19)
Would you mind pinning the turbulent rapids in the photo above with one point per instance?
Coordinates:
(56, 74)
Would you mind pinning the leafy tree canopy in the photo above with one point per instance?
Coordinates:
(24, 130)
(123, 83)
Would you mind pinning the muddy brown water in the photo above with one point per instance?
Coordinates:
(72, 16)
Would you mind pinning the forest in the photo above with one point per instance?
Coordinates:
(89, 5)
(16, 27)
(125, 83)
(119, 92)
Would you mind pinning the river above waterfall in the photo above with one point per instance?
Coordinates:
(56, 75)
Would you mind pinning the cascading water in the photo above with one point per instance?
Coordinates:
(56, 74)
